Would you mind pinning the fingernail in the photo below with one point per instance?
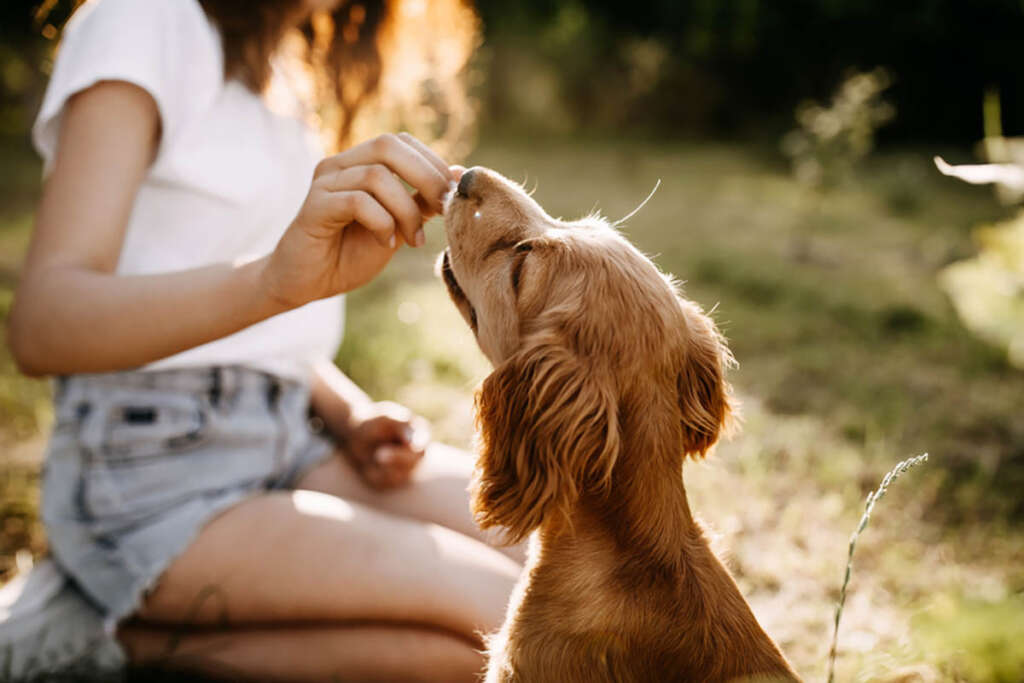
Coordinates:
(382, 456)
(391, 241)
(420, 238)
(408, 433)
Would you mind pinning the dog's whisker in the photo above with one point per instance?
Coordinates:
(637, 209)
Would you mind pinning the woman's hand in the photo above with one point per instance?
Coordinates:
(385, 443)
(356, 215)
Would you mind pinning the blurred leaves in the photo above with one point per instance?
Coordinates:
(988, 290)
(735, 66)
(27, 32)
(832, 139)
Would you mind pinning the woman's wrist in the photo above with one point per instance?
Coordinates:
(265, 287)
(337, 400)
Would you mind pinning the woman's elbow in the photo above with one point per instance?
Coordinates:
(23, 343)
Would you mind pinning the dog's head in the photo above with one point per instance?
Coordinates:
(591, 344)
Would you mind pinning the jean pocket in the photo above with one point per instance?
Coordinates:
(149, 424)
(140, 452)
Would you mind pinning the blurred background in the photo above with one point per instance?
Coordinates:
(876, 306)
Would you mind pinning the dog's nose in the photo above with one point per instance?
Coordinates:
(466, 182)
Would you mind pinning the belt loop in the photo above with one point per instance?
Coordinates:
(216, 386)
(60, 388)
(273, 390)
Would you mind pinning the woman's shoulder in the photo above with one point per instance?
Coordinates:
(169, 48)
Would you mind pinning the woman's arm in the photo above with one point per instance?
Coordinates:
(72, 314)
(336, 399)
(383, 441)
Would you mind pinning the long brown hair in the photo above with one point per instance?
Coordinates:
(373, 64)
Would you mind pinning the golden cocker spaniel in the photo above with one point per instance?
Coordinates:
(605, 379)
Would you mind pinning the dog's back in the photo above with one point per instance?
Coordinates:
(590, 609)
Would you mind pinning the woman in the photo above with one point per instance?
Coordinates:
(183, 282)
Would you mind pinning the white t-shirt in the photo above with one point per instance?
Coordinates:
(229, 175)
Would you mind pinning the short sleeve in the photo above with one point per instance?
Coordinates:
(166, 47)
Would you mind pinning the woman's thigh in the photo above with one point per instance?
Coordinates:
(305, 556)
(437, 493)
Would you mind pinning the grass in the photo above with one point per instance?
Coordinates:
(851, 358)
(869, 507)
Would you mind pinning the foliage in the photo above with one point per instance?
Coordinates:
(27, 32)
(831, 140)
(988, 289)
(740, 65)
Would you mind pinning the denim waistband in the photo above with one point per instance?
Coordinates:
(216, 382)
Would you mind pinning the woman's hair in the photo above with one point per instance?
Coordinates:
(373, 65)
(367, 67)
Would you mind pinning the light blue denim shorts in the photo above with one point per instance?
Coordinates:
(138, 462)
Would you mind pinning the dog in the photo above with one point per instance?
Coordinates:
(605, 378)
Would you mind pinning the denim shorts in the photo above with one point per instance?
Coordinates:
(139, 461)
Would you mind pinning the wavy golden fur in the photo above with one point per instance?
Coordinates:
(605, 379)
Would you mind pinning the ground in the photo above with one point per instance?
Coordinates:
(851, 359)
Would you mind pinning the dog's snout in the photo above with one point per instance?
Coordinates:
(466, 183)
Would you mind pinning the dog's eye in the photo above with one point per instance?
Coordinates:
(517, 265)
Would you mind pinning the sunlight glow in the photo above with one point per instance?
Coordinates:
(317, 504)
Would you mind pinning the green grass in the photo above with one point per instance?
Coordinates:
(988, 634)
(851, 359)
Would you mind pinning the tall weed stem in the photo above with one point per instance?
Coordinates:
(869, 506)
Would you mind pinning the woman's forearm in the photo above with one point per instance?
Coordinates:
(71, 320)
(336, 398)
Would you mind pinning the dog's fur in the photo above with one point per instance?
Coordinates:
(605, 379)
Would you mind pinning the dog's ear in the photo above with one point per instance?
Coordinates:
(705, 402)
(548, 430)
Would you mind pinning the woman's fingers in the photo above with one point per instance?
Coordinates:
(401, 158)
(427, 153)
(349, 206)
(396, 457)
(389, 192)
(392, 466)
(426, 208)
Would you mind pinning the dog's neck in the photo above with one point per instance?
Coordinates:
(647, 517)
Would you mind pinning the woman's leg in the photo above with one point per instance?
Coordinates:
(358, 652)
(436, 494)
(303, 556)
